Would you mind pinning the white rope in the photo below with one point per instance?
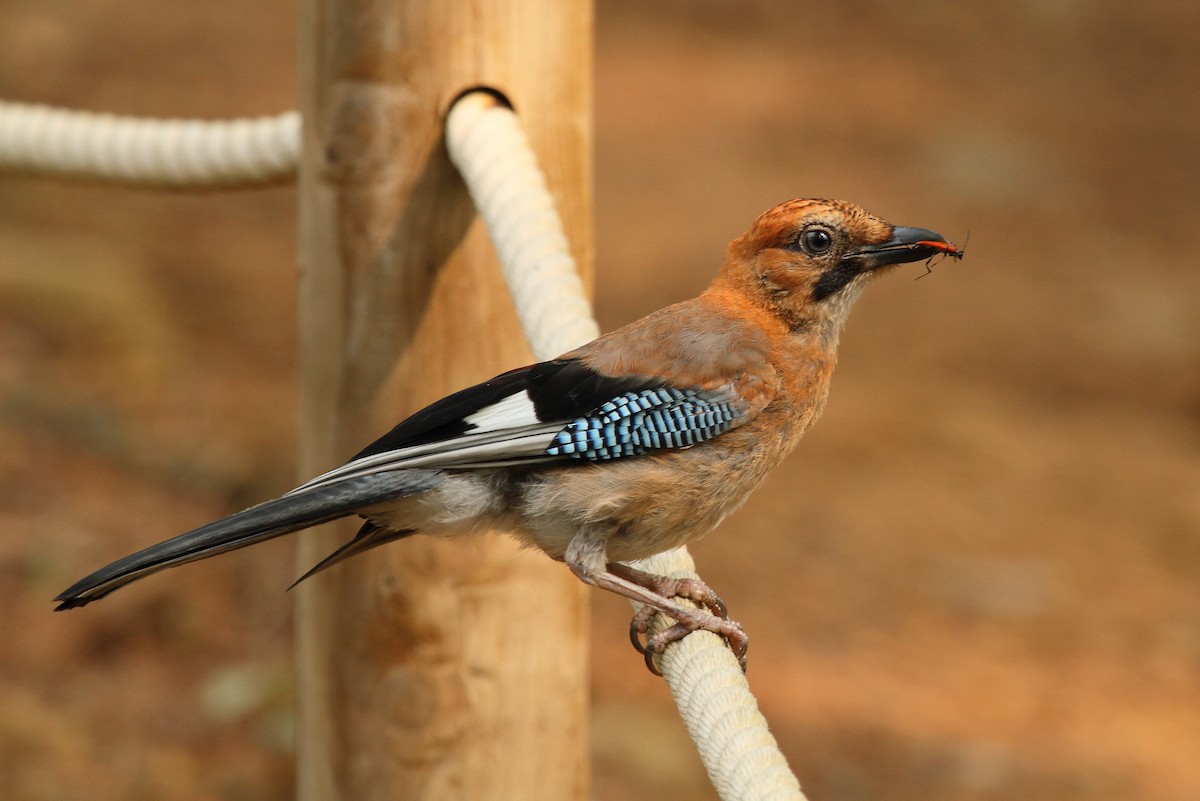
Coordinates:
(720, 713)
(156, 152)
(487, 145)
(489, 148)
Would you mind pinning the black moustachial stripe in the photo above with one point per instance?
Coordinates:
(835, 279)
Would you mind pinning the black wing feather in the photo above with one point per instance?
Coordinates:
(564, 389)
(560, 389)
(446, 419)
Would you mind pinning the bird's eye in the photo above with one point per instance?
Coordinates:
(817, 240)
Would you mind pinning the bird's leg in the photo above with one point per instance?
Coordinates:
(586, 557)
(693, 589)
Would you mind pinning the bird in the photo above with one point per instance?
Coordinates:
(635, 443)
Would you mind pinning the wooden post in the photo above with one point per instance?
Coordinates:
(428, 669)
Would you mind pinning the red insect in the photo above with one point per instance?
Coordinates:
(945, 250)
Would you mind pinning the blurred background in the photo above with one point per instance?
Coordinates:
(978, 578)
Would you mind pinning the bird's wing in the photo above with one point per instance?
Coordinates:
(560, 410)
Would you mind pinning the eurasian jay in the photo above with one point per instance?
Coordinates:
(633, 444)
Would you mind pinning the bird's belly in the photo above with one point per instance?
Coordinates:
(646, 505)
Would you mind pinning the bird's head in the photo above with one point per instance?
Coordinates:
(806, 261)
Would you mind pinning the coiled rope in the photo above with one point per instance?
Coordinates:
(167, 153)
(486, 143)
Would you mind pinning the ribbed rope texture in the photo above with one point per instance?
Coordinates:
(486, 143)
(720, 713)
(166, 153)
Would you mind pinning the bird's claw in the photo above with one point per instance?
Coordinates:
(639, 626)
(656, 644)
(689, 589)
(693, 590)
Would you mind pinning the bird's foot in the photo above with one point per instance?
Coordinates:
(713, 615)
(689, 589)
(657, 642)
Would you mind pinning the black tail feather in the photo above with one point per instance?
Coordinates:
(367, 538)
(262, 522)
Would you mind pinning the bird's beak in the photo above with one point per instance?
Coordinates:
(907, 244)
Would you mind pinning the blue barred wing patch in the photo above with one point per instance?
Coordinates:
(635, 423)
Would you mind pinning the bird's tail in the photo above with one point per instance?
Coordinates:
(262, 522)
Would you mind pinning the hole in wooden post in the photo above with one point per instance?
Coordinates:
(496, 96)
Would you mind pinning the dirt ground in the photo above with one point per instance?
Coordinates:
(979, 577)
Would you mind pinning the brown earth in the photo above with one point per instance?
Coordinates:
(982, 567)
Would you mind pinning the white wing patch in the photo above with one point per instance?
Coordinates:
(515, 411)
(479, 448)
